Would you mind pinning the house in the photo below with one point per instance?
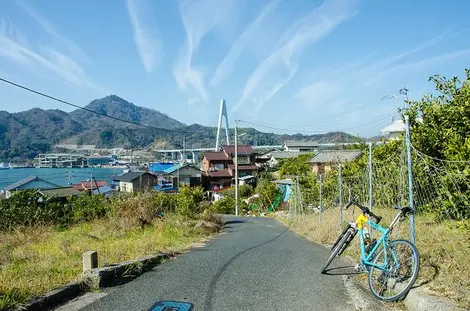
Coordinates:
(279, 155)
(31, 182)
(394, 130)
(186, 174)
(135, 181)
(219, 167)
(301, 146)
(323, 161)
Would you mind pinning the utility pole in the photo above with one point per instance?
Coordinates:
(236, 167)
(91, 180)
(404, 91)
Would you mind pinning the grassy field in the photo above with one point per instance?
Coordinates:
(444, 247)
(35, 260)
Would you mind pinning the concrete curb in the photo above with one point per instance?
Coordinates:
(418, 299)
(97, 278)
(124, 271)
(56, 297)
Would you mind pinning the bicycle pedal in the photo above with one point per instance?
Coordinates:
(360, 268)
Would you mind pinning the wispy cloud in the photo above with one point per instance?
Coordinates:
(282, 64)
(248, 36)
(45, 60)
(198, 18)
(49, 27)
(339, 91)
(146, 36)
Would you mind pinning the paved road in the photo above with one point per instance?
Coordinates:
(256, 264)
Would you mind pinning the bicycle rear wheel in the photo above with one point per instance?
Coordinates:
(339, 247)
(401, 271)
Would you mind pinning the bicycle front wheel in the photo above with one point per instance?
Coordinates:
(401, 261)
(339, 247)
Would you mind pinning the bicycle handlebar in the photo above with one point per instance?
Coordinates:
(364, 209)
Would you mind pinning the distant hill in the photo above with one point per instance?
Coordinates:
(25, 134)
(117, 107)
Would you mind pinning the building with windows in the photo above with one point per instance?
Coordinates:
(134, 181)
(219, 167)
(301, 146)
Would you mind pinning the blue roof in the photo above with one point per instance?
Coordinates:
(160, 167)
(172, 169)
(177, 167)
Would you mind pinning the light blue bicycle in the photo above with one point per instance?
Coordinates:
(393, 265)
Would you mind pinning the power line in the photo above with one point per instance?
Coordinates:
(379, 118)
(84, 108)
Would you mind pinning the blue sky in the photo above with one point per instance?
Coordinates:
(304, 65)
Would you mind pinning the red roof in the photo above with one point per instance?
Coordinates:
(85, 185)
(221, 173)
(216, 156)
(242, 149)
(243, 167)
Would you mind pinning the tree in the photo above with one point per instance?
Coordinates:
(295, 166)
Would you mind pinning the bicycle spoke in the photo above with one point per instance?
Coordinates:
(400, 264)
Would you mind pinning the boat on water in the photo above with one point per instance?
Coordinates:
(4, 166)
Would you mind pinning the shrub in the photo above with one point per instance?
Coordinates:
(187, 201)
(87, 208)
(225, 205)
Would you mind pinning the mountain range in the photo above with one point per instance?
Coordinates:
(25, 134)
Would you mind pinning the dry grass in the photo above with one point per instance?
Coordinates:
(36, 260)
(444, 248)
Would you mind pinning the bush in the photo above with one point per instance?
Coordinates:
(134, 211)
(225, 205)
(87, 208)
(188, 201)
(267, 192)
(25, 208)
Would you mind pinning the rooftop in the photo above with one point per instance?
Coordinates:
(178, 167)
(300, 143)
(221, 173)
(62, 192)
(25, 181)
(287, 154)
(242, 149)
(160, 167)
(130, 176)
(216, 156)
(336, 156)
(83, 185)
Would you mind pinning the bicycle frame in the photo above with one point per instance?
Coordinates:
(366, 259)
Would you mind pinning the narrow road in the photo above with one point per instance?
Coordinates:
(255, 264)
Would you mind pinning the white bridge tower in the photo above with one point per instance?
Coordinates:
(222, 113)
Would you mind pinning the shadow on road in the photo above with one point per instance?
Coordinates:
(231, 222)
(208, 302)
(343, 270)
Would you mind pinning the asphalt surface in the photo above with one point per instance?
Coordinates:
(255, 264)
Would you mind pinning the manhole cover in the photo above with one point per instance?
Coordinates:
(168, 305)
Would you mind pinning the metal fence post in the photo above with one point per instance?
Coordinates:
(370, 182)
(410, 179)
(340, 196)
(321, 207)
(404, 91)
